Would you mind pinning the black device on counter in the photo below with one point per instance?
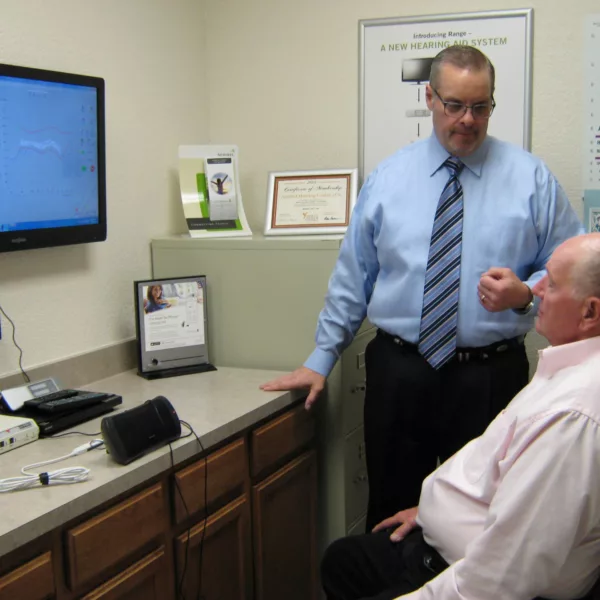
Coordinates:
(59, 412)
(130, 434)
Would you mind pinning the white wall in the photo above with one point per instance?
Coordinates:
(71, 300)
(277, 77)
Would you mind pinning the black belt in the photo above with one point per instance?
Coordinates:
(462, 354)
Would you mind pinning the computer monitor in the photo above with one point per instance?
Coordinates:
(416, 70)
(52, 158)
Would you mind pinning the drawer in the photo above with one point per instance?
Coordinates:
(356, 482)
(32, 581)
(147, 578)
(354, 376)
(224, 471)
(111, 536)
(280, 438)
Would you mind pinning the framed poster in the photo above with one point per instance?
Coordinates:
(395, 59)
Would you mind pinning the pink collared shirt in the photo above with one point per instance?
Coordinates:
(516, 512)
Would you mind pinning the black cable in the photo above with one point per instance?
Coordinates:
(179, 590)
(57, 435)
(27, 379)
(199, 595)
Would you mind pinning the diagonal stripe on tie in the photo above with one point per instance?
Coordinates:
(437, 337)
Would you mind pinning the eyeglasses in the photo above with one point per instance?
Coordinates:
(458, 109)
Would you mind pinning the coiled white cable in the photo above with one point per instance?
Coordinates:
(60, 476)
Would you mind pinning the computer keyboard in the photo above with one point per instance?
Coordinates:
(65, 400)
(72, 402)
(59, 395)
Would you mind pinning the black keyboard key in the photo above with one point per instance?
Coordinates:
(72, 403)
(59, 395)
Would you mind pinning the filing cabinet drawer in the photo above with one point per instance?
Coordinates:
(280, 438)
(225, 477)
(357, 484)
(354, 376)
(112, 535)
(357, 528)
(32, 581)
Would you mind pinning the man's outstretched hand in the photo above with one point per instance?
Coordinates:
(406, 519)
(302, 378)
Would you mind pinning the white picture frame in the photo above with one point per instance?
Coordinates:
(393, 74)
(310, 202)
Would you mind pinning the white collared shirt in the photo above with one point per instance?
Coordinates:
(516, 512)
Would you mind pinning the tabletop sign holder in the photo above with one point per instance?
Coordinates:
(171, 327)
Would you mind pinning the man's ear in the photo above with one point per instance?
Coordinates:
(429, 97)
(591, 314)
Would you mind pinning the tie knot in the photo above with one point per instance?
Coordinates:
(454, 165)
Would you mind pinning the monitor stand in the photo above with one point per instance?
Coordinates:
(176, 371)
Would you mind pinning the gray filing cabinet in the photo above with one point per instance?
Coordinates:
(264, 297)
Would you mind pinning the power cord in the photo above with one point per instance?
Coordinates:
(179, 591)
(61, 476)
(14, 339)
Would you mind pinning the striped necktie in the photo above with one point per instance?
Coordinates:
(437, 338)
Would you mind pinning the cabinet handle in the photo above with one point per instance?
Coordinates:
(361, 387)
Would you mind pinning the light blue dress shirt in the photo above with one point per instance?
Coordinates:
(515, 215)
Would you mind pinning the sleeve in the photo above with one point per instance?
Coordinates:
(555, 221)
(548, 501)
(350, 286)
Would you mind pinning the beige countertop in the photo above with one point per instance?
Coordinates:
(216, 404)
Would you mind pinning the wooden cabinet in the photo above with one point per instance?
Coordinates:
(32, 581)
(236, 523)
(147, 579)
(224, 472)
(284, 511)
(214, 557)
(110, 537)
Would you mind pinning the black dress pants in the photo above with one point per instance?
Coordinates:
(371, 566)
(415, 414)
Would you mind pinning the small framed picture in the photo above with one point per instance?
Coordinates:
(171, 326)
(310, 202)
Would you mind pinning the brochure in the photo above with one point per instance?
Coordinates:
(210, 191)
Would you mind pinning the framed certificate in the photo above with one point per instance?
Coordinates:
(310, 202)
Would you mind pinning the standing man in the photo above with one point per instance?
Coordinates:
(447, 239)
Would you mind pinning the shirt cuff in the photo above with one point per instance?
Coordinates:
(321, 361)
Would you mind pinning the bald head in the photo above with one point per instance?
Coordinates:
(585, 270)
(569, 310)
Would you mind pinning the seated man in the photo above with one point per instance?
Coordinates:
(515, 514)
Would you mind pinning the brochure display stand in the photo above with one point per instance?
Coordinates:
(171, 327)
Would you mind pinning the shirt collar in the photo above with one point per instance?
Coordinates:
(555, 358)
(438, 155)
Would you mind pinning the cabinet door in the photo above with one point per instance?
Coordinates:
(213, 558)
(147, 579)
(32, 581)
(284, 512)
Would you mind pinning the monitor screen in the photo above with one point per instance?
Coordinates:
(52, 159)
(416, 70)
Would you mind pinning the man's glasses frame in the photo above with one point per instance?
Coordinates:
(480, 112)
